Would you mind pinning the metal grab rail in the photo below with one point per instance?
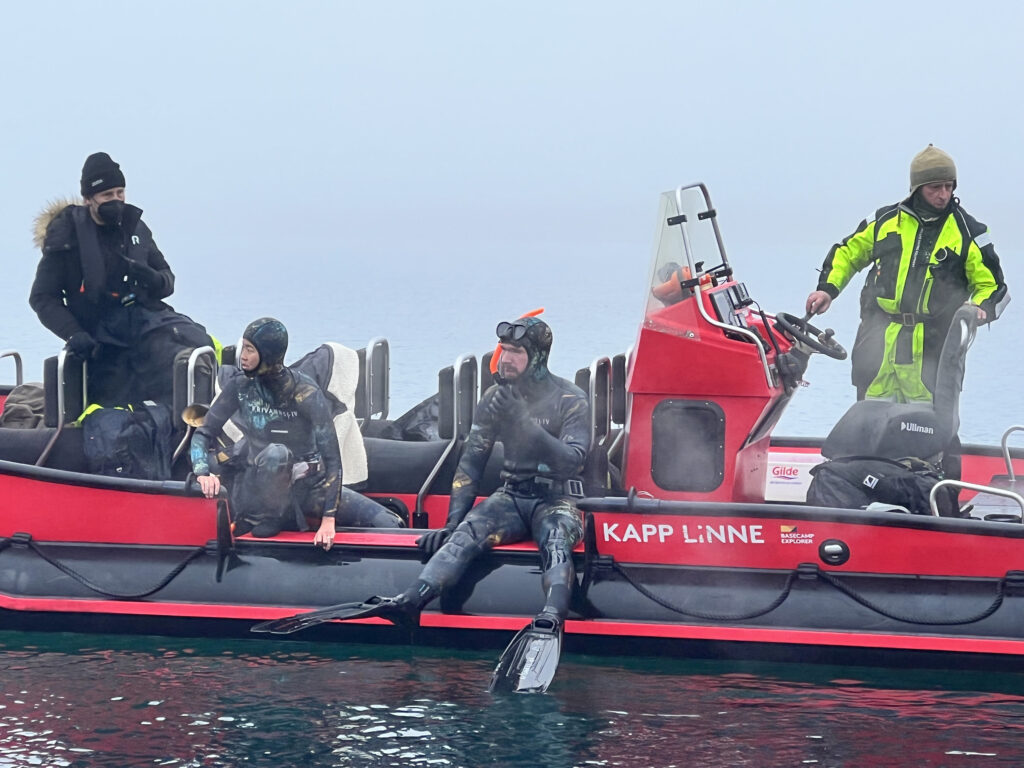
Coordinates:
(18, 368)
(190, 389)
(62, 416)
(464, 398)
(1006, 449)
(933, 502)
(699, 288)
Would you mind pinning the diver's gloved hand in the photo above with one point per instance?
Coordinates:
(143, 274)
(430, 542)
(83, 345)
(509, 405)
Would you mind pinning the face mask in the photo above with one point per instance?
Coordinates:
(111, 212)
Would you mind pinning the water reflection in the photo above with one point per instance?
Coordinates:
(77, 700)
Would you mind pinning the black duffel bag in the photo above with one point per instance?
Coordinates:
(854, 482)
(129, 442)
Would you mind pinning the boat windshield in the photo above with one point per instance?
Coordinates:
(687, 244)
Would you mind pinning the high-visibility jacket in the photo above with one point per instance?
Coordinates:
(920, 273)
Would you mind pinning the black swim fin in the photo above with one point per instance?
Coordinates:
(530, 661)
(385, 607)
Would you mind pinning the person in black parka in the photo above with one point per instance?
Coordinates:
(100, 286)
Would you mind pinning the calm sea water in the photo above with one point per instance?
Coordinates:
(88, 700)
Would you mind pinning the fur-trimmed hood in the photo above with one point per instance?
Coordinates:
(46, 216)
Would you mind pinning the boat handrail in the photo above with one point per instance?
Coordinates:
(596, 381)
(933, 495)
(18, 371)
(1006, 449)
(699, 288)
(464, 395)
(62, 416)
(378, 363)
(190, 390)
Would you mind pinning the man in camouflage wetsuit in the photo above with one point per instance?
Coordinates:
(543, 422)
(292, 458)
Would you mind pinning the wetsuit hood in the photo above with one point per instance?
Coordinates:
(270, 338)
(534, 335)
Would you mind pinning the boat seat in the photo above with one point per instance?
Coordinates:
(24, 446)
(595, 381)
(373, 387)
(402, 466)
(888, 430)
(201, 388)
(73, 389)
(486, 377)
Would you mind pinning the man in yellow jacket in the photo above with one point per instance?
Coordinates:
(927, 256)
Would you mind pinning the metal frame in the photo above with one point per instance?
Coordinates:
(18, 368)
(460, 425)
(933, 503)
(700, 289)
(1006, 450)
(190, 388)
(371, 375)
(62, 357)
(604, 429)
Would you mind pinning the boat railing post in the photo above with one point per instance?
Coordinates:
(1006, 450)
(190, 390)
(378, 372)
(463, 395)
(62, 416)
(18, 371)
(933, 495)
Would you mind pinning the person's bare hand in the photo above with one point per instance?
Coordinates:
(210, 485)
(818, 302)
(325, 534)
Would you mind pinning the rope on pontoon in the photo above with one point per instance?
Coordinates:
(852, 594)
(702, 614)
(831, 581)
(85, 582)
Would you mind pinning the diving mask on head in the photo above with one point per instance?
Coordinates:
(510, 332)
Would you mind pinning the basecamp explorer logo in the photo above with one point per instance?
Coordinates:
(909, 426)
(790, 534)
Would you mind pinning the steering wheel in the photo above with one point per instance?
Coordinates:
(820, 341)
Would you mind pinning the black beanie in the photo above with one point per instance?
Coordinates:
(99, 174)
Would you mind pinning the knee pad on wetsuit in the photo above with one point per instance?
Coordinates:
(557, 544)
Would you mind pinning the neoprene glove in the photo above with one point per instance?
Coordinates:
(430, 542)
(509, 405)
(143, 274)
(83, 345)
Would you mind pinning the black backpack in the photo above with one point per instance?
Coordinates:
(856, 481)
(129, 442)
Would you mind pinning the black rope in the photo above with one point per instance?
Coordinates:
(851, 593)
(828, 579)
(117, 595)
(700, 614)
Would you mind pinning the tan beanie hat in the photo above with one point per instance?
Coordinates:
(930, 165)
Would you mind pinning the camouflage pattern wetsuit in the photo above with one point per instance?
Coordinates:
(543, 422)
(286, 421)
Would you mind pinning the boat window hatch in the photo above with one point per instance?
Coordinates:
(688, 445)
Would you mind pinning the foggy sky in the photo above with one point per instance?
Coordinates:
(495, 157)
